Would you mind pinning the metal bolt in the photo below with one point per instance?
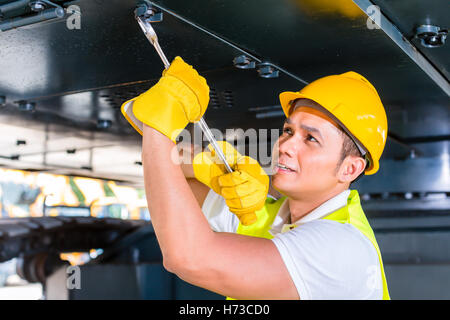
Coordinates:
(431, 36)
(244, 62)
(148, 12)
(37, 6)
(265, 70)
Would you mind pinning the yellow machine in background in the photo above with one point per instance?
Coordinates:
(33, 194)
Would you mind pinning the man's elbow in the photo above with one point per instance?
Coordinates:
(170, 263)
(184, 266)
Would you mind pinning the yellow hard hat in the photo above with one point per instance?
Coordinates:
(353, 102)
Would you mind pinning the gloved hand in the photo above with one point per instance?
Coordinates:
(181, 96)
(244, 190)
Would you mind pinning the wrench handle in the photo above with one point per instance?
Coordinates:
(152, 37)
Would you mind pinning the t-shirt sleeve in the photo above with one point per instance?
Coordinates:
(330, 260)
(219, 216)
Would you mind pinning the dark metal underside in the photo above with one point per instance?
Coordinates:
(76, 77)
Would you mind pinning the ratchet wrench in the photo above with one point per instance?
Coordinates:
(153, 38)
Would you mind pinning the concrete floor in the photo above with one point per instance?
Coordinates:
(18, 289)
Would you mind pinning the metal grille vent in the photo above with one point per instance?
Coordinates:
(219, 100)
(228, 98)
(214, 99)
(115, 100)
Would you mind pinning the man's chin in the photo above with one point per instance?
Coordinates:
(284, 187)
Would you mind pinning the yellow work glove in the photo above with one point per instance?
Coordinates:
(181, 96)
(244, 190)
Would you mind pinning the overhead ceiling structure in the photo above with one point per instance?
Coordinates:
(63, 80)
(67, 66)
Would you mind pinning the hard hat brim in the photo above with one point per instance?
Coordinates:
(287, 97)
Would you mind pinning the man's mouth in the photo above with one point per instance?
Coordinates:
(284, 168)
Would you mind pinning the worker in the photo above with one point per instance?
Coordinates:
(222, 231)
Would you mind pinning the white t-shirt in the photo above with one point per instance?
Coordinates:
(325, 259)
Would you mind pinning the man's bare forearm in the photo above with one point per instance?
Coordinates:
(199, 190)
(177, 218)
(187, 153)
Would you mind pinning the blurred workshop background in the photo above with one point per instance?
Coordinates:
(71, 189)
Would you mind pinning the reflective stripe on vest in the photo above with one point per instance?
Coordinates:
(352, 213)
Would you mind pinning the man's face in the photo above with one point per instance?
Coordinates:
(310, 148)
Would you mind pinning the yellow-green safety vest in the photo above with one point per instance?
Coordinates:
(352, 213)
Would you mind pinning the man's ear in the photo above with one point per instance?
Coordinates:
(351, 168)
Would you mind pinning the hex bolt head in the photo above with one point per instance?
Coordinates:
(431, 36)
(265, 70)
(148, 12)
(244, 62)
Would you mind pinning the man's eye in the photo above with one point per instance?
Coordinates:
(311, 138)
(287, 130)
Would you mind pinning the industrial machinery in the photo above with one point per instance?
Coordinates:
(67, 66)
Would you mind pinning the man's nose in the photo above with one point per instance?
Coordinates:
(288, 146)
